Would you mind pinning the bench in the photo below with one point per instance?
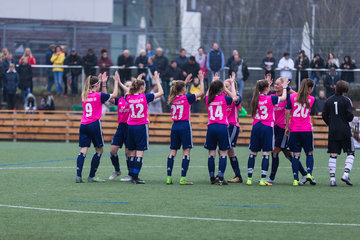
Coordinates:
(64, 126)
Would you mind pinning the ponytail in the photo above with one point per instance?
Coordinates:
(261, 85)
(176, 88)
(215, 87)
(302, 96)
(136, 85)
(90, 82)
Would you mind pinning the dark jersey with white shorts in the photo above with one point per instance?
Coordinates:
(337, 113)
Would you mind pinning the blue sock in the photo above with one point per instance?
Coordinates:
(131, 166)
(295, 167)
(264, 166)
(185, 165)
(310, 163)
(95, 162)
(170, 164)
(235, 166)
(137, 166)
(211, 166)
(79, 164)
(128, 164)
(115, 162)
(301, 168)
(222, 167)
(274, 165)
(251, 164)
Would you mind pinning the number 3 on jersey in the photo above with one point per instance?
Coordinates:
(140, 110)
(218, 112)
(300, 110)
(262, 113)
(174, 111)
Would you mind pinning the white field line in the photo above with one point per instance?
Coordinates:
(179, 217)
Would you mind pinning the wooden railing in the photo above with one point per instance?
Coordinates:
(64, 126)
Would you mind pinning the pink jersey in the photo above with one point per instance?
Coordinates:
(232, 114)
(123, 110)
(217, 110)
(180, 108)
(92, 108)
(265, 110)
(138, 109)
(300, 115)
(279, 111)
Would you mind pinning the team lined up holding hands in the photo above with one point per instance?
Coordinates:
(281, 122)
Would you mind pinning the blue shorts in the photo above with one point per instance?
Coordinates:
(234, 134)
(138, 137)
(91, 133)
(262, 138)
(298, 140)
(217, 134)
(120, 136)
(181, 134)
(281, 140)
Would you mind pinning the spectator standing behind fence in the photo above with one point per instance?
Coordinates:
(4, 53)
(332, 61)
(25, 76)
(30, 103)
(302, 62)
(11, 84)
(181, 60)
(125, 61)
(47, 102)
(201, 59)
(74, 60)
(141, 62)
(105, 62)
(241, 71)
(173, 72)
(286, 64)
(162, 63)
(330, 81)
(152, 68)
(194, 89)
(230, 60)
(269, 64)
(66, 70)
(58, 59)
(89, 62)
(156, 105)
(215, 60)
(31, 59)
(49, 71)
(148, 50)
(320, 103)
(191, 67)
(1, 83)
(316, 62)
(348, 64)
(7, 61)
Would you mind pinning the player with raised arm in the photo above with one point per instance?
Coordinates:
(90, 128)
(337, 113)
(137, 139)
(217, 133)
(181, 133)
(299, 127)
(262, 133)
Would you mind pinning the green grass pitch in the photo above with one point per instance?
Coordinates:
(31, 178)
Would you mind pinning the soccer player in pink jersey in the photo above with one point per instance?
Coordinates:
(234, 128)
(181, 133)
(121, 132)
(217, 133)
(262, 133)
(298, 124)
(137, 139)
(90, 128)
(281, 140)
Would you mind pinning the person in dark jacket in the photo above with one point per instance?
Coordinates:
(302, 62)
(105, 62)
(11, 83)
(152, 67)
(190, 67)
(141, 62)
(125, 61)
(320, 103)
(89, 62)
(173, 72)
(74, 60)
(66, 71)
(181, 60)
(161, 61)
(25, 76)
(330, 82)
(347, 64)
(230, 60)
(268, 64)
(241, 70)
(47, 102)
(49, 71)
(317, 62)
(215, 61)
(1, 83)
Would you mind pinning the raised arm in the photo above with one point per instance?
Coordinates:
(117, 79)
(103, 80)
(285, 84)
(287, 119)
(160, 92)
(116, 88)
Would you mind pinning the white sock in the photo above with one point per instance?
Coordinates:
(332, 166)
(348, 164)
